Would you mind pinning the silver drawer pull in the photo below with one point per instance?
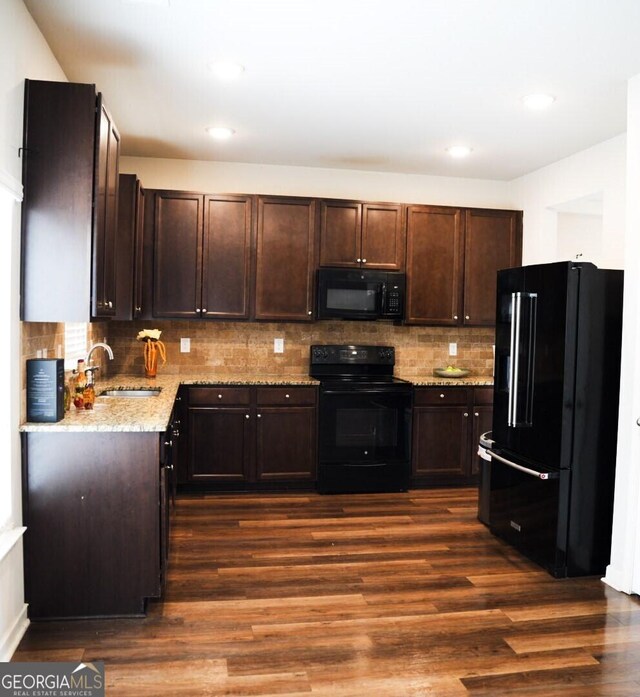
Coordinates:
(286, 396)
(526, 470)
(219, 396)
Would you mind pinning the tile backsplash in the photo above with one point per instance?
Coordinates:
(228, 347)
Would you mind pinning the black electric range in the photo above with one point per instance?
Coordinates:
(364, 424)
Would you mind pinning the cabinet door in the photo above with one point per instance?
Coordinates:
(340, 238)
(178, 254)
(286, 443)
(434, 265)
(440, 442)
(139, 257)
(285, 259)
(383, 236)
(103, 297)
(219, 444)
(129, 239)
(493, 241)
(226, 262)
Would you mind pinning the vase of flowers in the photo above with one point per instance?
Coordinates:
(152, 347)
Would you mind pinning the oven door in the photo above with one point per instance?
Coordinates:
(364, 426)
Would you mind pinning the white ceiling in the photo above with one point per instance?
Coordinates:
(383, 85)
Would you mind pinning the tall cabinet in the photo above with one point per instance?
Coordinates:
(70, 166)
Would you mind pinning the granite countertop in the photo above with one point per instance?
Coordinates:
(149, 413)
(433, 380)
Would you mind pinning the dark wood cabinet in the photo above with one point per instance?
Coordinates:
(453, 256)
(493, 241)
(177, 266)
(103, 297)
(202, 258)
(447, 422)
(69, 213)
(434, 265)
(356, 234)
(285, 258)
(92, 507)
(242, 437)
(130, 248)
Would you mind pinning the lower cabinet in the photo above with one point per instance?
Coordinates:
(447, 422)
(96, 515)
(249, 437)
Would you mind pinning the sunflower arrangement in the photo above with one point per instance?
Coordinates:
(152, 347)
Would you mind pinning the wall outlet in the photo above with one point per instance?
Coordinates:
(39, 353)
(453, 349)
(185, 344)
(59, 351)
(44, 353)
(278, 345)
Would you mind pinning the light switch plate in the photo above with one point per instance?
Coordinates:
(278, 345)
(185, 345)
(453, 349)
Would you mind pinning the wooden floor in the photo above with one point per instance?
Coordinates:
(388, 595)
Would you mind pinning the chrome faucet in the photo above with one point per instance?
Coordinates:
(87, 361)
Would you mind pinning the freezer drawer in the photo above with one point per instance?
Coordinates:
(526, 510)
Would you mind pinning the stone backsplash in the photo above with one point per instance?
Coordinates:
(231, 346)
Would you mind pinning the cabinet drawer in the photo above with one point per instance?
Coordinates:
(219, 395)
(483, 395)
(286, 395)
(441, 395)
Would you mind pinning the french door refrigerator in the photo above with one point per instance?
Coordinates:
(557, 376)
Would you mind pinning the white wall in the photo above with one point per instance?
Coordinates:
(597, 170)
(623, 572)
(24, 54)
(229, 177)
(580, 236)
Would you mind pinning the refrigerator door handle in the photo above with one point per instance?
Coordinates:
(522, 376)
(526, 470)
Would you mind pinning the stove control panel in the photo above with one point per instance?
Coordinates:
(352, 354)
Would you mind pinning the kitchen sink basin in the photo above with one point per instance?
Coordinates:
(132, 392)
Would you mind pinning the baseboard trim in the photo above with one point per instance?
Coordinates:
(12, 637)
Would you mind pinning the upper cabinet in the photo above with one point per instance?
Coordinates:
(354, 234)
(129, 248)
(453, 256)
(285, 258)
(492, 241)
(202, 258)
(69, 215)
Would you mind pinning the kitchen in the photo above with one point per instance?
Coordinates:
(601, 168)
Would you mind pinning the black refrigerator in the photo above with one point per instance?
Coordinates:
(555, 419)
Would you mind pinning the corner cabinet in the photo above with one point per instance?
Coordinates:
(285, 258)
(247, 437)
(70, 167)
(130, 248)
(355, 234)
(453, 256)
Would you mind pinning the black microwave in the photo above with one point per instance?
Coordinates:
(360, 294)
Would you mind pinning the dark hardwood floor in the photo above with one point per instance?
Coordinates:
(387, 595)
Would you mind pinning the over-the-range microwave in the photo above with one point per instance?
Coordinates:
(360, 294)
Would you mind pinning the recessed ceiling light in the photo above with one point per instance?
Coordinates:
(459, 151)
(226, 70)
(220, 132)
(538, 101)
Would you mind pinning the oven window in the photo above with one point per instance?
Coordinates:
(366, 428)
(360, 300)
(361, 427)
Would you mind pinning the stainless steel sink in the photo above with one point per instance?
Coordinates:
(131, 392)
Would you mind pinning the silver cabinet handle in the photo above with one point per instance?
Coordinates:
(364, 261)
(110, 304)
(259, 416)
(246, 416)
(358, 260)
(441, 396)
(286, 396)
(465, 415)
(204, 310)
(476, 413)
(467, 317)
(309, 312)
(638, 421)
(197, 309)
(526, 470)
(219, 396)
(455, 317)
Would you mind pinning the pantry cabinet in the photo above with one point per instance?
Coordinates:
(70, 159)
(453, 256)
(447, 423)
(249, 437)
(355, 234)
